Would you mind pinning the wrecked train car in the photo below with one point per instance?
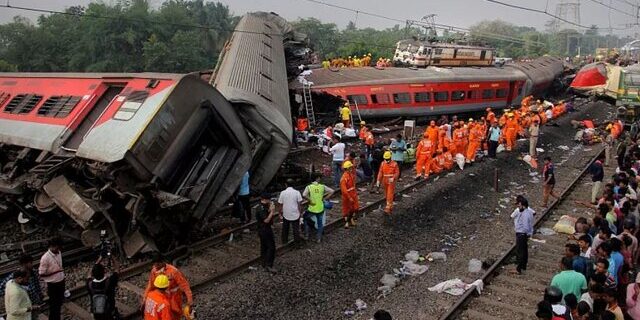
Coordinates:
(252, 75)
(143, 156)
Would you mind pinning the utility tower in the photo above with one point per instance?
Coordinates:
(567, 10)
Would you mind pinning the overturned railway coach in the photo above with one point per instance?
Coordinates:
(393, 92)
(126, 153)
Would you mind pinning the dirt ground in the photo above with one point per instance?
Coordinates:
(323, 281)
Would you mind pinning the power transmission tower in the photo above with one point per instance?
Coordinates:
(566, 10)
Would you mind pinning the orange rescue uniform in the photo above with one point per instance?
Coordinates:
(350, 204)
(475, 137)
(458, 141)
(363, 133)
(432, 133)
(448, 160)
(438, 163)
(510, 133)
(387, 177)
(157, 306)
(178, 286)
(423, 157)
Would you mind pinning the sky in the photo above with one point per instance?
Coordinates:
(460, 13)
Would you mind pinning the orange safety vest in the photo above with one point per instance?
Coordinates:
(588, 123)
(302, 124)
(369, 140)
(431, 133)
(424, 148)
(363, 133)
(448, 160)
(157, 306)
(388, 170)
(178, 286)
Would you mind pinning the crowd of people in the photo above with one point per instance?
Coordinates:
(356, 62)
(597, 276)
(167, 295)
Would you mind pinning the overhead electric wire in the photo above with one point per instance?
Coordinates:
(440, 26)
(545, 12)
(613, 8)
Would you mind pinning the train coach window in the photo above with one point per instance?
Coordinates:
(471, 95)
(58, 106)
(441, 96)
(381, 98)
(437, 51)
(401, 97)
(457, 95)
(129, 108)
(357, 99)
(487, 94)
(501, 93)
(422, 97)
(22, 103)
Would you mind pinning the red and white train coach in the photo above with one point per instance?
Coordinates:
(391, 92)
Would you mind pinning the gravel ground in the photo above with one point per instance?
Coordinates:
(322, 281)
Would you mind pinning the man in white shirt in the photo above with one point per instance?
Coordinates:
(289, 206)
(52, 273)
(337, 152)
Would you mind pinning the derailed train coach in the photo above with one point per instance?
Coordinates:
(146, 156)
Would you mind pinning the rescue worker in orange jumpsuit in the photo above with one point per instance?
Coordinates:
(423, 158)
(490, 116)
(465, 136)
(363, 131)
(178, 286)
(511, 131)
(458, 139)
(502, 121)
(432, 133)
(387, 177)
(350, 204)
(482, 128)
(442, 137)
(156, 301)
(475, 138)
(438, 163)
(526, 101)
(448, 159)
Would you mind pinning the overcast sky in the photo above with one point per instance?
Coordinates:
(461, 13)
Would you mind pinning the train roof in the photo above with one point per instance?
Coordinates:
(92, 75)
(328, 78)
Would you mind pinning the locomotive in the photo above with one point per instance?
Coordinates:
(145, 156)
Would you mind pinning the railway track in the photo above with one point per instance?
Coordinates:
(511, 296)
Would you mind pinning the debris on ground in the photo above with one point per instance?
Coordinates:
(546, 231)
(475, 265)
(456, 287)
(565, 148)
(565, 225)
(433, 256)
(360, 305)
(539, 150)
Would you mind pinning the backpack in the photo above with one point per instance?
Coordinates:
(99, 301)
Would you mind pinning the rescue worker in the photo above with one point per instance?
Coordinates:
(423, 158)
(448, 158)
(475, 138)
(350, 204)
(526, 101)
(387, 177)
(326, 64)
(490, 116)
(438, 163)
(177, 288)
(369, 141)
(465, 137)
(458, 139)
(432, 134)
(345, 114)
(443, 140)
(510, 132)
(156, 301)
(363, 131)
(502, 121)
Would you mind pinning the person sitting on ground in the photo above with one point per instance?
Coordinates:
(568, 280)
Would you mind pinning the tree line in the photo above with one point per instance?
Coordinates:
(187, 35)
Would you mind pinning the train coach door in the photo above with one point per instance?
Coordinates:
(512, 92)
(76, 137)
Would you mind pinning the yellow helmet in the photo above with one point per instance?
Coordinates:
(369, 54)
(161, 282)
(362, 123)
(470, 119)
(347, 164)
(387, 155)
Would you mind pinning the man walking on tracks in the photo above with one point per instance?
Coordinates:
(264, 217)
(316, 193)
(52, 273)
(387, 176)
(289, 202)
(548, 181)
(350, 204)
(177, 287)
(523, 222)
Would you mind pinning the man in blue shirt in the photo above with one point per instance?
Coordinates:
(494, 139)
(397, 147)
(242, 207)
(616, 246)
(523, 222)
(572, 250)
